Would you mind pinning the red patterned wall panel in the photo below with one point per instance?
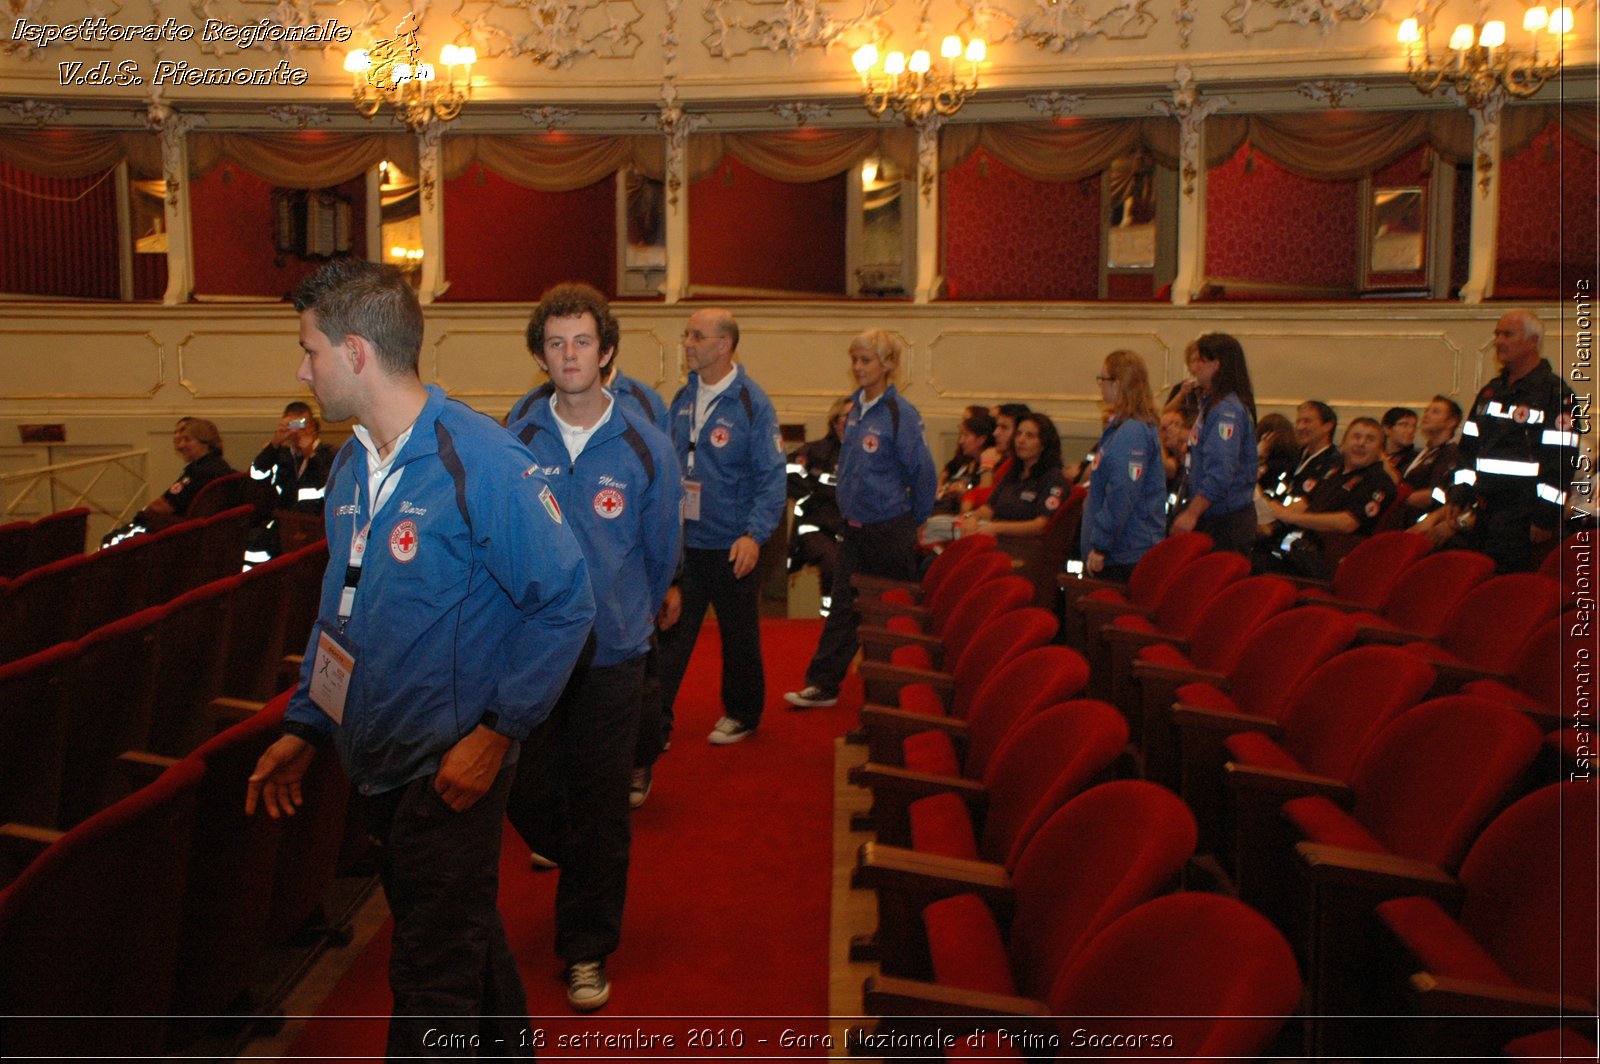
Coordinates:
(1547, 218)
(1265, 224)
(750, 231)
(234, 252)
(58, 236)
(1007, 236)
(506, 242)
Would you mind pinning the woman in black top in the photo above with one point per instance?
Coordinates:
(1034, 488)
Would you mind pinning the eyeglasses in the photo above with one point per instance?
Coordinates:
(1103, 379)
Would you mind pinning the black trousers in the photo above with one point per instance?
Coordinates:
(708, 580)
(454, 978)
(1501, 531)
(570, 803)
(887, 549)
(1236, 531)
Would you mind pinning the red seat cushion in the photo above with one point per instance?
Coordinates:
(1438, 942)
(1319, 820)
(966, 947)
(1134, 622)
(911, 658)
(1556, 1044)
(1500, 691)
(902, 623)
(1106, 594)
(941, 824)
(1165, 654)
(899, 596)
(921, 698)
(1432, 653)
(1206, 696)
(931, 752)
(1257, 750)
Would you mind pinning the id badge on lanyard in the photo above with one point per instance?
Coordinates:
(337, 653)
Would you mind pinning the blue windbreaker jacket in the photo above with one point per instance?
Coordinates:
(621, 498)
(1125, 513)
(738, 460)
(885, 467)
(473, 599)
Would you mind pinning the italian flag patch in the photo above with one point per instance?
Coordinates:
(551, 507)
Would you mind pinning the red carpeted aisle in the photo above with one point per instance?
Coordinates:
(727, 917)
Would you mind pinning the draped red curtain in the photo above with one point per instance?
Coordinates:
(58, 235)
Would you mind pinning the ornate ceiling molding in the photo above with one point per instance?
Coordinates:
(1183, 15)
(1191, 112)
(39, 114)
(800, 112)
(1332, 93)
(1059, 25)
(1249, 17)
(363, 20)
(553, 33)
(549, 117)
(1055, 104)
(301, 116)
(739, 27)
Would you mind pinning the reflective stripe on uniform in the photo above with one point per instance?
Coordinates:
(1507, 468)
(311, 494)
(1466, 476)
(1557, 438)
(1552, 494)
(1469, 428)
(262, 474)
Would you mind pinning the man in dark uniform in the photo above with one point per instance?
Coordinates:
(1518, 448)
(1348, 503)
(1314, 426)
(294, 465)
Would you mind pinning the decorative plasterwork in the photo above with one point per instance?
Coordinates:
(928, 154)
(671, 119)
(553, 33)
(171, 127)
(799, 112)
(739, 27)
(1248, 17)
(1060, 25)
(549, 117)
(40, 114)
(1190, 111)
(1183, 15)
(1333, 93)
(362, 20)
(300, 115)
(1055, 103)
(1486, 142)
(429, 133)
(39, 12)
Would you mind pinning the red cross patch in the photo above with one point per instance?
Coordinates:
(1372, 508)
(403, 541)
(869, 443)
(719, 437)
(608, 503)
(1520, 415)
(1052, 502)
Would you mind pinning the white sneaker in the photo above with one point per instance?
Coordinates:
(729, 731)
(811, 696)
(639, 788)
(587, 986)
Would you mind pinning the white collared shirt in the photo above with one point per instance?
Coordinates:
(577, 438)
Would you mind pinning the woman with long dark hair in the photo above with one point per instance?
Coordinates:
(1034, 488)
(1219, 491)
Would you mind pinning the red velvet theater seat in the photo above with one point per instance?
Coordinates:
(1366, 578)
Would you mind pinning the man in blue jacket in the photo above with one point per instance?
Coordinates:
(616, 479)
(887, 484)
(454, 605)
(726, 435)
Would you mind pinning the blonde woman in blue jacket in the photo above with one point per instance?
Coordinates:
(1125, 513)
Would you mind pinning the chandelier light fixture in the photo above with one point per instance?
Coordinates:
(912, 87)
(1478, 64)
(392, 72)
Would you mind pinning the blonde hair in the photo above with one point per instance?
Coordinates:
(1134, 400)
(884, 344)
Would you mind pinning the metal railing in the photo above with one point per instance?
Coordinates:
(30, 480)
